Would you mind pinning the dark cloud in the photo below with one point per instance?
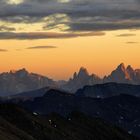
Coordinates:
(126, 35)
(103, 26)
(45, 35)
(42, 47)
(22, 19)
(3, 50)
(84, 15)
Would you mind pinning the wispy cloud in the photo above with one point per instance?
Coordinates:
(132, 42)
(42, 47)
(3, 50)
(126, 35)
(45, 35)
(6, 28)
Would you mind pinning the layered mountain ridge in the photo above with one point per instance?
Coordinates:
(124, 74)
(108, 90)
(121, 74)
(14, 82)
(81, 79)
(19, 81)
(122, 110)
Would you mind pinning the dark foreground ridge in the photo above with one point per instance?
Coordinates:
(19, 124)
(109, 89)
(122, 110)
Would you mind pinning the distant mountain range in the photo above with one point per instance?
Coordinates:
(14, 82)
(115, 99)
(81, 79)
(94, 91)
(120, 75)
(124, 75)
(19, 81)
(18, 124)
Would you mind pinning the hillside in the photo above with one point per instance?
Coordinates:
(17, 124)
(122, 110)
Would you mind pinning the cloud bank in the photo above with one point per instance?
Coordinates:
(71, 15)
(45, 35)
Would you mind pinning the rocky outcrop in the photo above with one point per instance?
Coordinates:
(81, 79)
(14, 82)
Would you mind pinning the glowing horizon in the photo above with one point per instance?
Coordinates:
(55, 38)
(98, 54)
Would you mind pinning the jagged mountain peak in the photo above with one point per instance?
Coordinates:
(75, 75)
(124, 74)
(81, 79)
(23, 70)
(17, 81)
(120, 75)
(121, 67)
(83, 71)
(130, 70)
(129, 67)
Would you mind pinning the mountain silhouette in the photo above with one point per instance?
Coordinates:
(81, 79)
(124, 74)
(122, 110)
(121, 74)
(14, 82)
(108, 90)
(16, 123)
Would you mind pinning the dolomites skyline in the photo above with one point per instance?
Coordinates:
(56, 37)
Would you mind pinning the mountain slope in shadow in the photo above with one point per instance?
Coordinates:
(109, 89)
(122, 110)
(19, 124)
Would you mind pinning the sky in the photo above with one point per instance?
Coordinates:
(56, 37)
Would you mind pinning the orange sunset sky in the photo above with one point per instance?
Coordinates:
(64, 47)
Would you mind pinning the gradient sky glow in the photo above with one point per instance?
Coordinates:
(77, 33)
